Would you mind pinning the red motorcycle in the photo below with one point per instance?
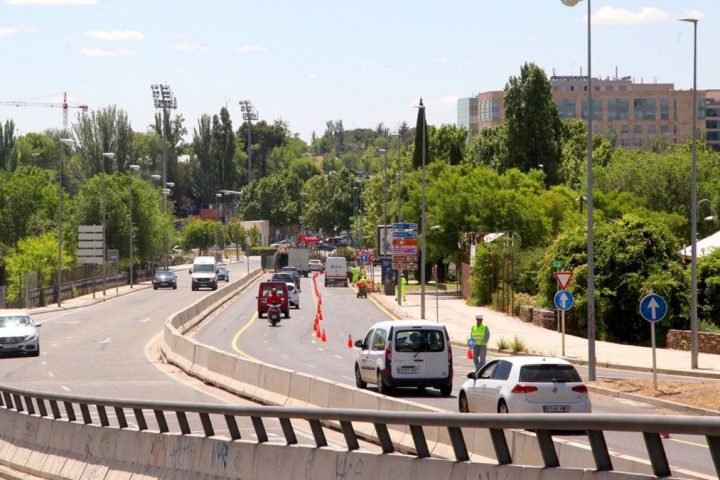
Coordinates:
(274, 313)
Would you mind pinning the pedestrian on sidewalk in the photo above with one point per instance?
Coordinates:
(481, 334)
(403, 287)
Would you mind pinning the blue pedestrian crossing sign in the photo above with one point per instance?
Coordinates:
(564, 300)
(653, 307)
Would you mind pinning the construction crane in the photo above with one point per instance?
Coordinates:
(64, 105)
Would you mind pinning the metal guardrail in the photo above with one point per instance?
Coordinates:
(60, 407)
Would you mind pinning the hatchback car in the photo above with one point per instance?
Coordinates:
(164, 278)
(18, 333)
(525, 385)
(223, 273)
(293, 295)
(316, 265)
(284, 277)
(295, 273)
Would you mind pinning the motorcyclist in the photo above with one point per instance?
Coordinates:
(273, 298)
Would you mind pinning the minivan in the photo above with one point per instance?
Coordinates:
(264, 290)
(405, 353)
(336, 271)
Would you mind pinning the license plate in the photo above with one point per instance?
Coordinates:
(11, 346)
(406, 370)
(556, 408)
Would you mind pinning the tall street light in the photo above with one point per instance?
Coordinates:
(249, 113)
(399, 206)
(68, 142)
(382, 251)
(589, 199)
(133, 168)
(110, 156)
(693, 210)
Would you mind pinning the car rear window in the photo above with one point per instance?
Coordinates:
(549, 373)
(419, 341)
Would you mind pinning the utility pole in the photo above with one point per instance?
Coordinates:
(249, 113)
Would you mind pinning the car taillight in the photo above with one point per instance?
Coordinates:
(580, 389)
(450, 364)
(388, 358)
(520, 388)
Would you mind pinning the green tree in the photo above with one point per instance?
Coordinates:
(447, 142)
(33, 254)
(198, 234)
(275, 198)
(222, 151)
(204, 174)
(7, 142)
(421, 135)
(28, 203)
(534, 131)
(489, 148)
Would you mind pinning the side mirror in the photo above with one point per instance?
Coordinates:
(359, 344)
(38, 325)
(191, 270)
(471, 375)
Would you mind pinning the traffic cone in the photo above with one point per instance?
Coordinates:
(350, 342)
(469, 354)
(315, 324)
(324, 338)
(318, 334)
(664, 435)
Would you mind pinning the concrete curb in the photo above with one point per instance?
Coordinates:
(679, 407)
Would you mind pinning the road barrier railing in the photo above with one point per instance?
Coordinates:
(95, 411)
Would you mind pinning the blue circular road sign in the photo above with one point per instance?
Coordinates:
(564, 300)
(363, 258)
(653, 307)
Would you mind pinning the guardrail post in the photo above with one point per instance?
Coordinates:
(418, 435)
(55, 409)
(41, 407)
(259, 429)
(207, 425)
(162, 423)
(120, 414)
(29, 405)
(384, 437)
(183, 422)
(458, 444)
(70, 411)
(85, 411)
(18, 402)
(318, 433)
(656, 452)
(140, 418)
(232, 427)
(349, 433)
(102, 413)
(714, 446)
(502, 452)
(600, 452)
(547, 449)
(288, 431)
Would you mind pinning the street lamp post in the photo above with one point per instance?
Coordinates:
(382, 251)
(61, 154)
(693, 210)
(110, 156)
(133, 168)
(589, 199)
(399, 205)
(164, 99)
(249, 113)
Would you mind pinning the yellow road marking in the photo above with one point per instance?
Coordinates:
(382, 307)
(237, 337)
(686, 442)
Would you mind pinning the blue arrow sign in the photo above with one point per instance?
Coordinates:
(564, 300)
(653, 307)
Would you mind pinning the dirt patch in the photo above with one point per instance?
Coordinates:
(697, 394)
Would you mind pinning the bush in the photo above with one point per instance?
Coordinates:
(503, 344)
(518, 345)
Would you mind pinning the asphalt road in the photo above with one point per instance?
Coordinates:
(292, 344)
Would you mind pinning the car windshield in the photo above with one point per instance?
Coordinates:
(164, 274)
(15, 321)
(546, 373)
(222, 270)
(204, 267)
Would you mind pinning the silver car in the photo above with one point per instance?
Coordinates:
(525, 385)
(293, 295)
(18, 333)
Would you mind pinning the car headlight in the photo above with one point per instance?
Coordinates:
(31, 338)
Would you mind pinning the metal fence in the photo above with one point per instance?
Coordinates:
(94, 411)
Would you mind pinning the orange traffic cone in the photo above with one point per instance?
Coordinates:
(350, 342)
(315, 324)
(324, 338)
(318, 334)
(469, 354)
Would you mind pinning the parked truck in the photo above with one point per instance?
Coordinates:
(300, 259)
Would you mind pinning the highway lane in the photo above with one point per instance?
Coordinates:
(106, 350)
(293, 345)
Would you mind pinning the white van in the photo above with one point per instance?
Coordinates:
(204, 273)
(336, 271)
(405, 353)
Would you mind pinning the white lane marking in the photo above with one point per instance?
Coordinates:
(348, 378)
(69, 322)
(65, 388)
(309, 366)
(51, 374)
(43, 363)
(339, 356)
(107, 340)
(54, 345)
(143, 320)
(321, 349)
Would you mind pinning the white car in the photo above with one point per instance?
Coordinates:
(315, 265)
(525, 385)
(18, 333)
(293, 295)
(405, 353)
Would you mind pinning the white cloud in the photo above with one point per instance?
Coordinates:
(448, 100)
(53, 3)
(99, 52)
(621, 16)
(311, 76)
(6, 32)
(115, 35)
(190, 47)
(250, 49)
(694, 14)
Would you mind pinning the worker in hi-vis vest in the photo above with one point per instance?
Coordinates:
(481, 334)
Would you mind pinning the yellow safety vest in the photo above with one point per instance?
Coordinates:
(478, 333)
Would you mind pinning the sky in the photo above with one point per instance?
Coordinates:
(308, 62)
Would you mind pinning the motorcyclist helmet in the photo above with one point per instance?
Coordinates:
(273, 290)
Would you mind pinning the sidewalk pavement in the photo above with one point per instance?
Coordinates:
(458, 318)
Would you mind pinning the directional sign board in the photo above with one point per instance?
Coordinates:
(653, 307)
(564, 300)
(563, 278)
(90, 244)
(404, 246)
